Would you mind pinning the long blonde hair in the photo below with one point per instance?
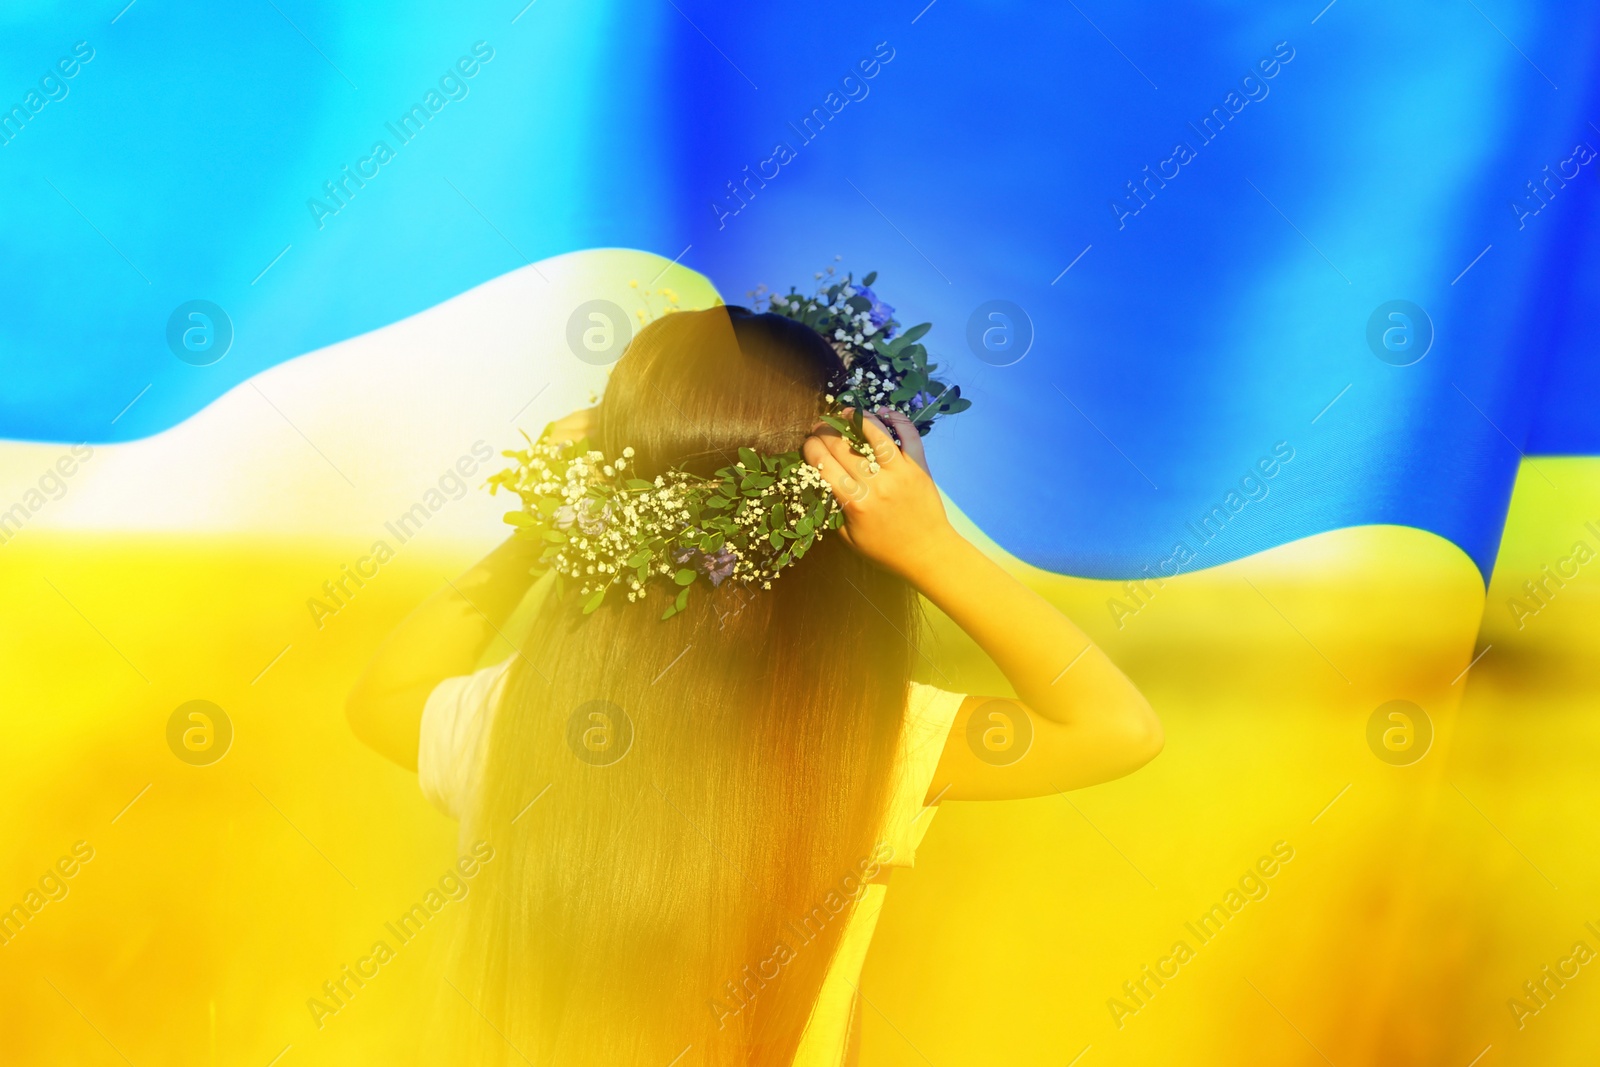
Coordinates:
(668, 901)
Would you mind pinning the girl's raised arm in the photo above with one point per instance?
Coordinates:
(1089, 722)
(446, 635)
(442, 638)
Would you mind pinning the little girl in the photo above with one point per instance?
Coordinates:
(693, 820)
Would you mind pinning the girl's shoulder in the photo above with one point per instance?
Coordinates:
(455, 723)
(930, 714)
(931, 709)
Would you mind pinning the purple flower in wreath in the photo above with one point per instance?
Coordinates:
(880, 313)
(565, 517)
(719, 564)
(921, 401)
(716, 566)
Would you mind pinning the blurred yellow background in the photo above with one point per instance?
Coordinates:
(1417, 902)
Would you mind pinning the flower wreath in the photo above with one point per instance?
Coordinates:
(605, 530)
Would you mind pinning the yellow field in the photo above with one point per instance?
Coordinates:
(1417, 901)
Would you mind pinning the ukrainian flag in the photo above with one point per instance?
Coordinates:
(1278, 321)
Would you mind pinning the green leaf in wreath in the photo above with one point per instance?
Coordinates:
(838, 422)
(915, 332)
(684, 576)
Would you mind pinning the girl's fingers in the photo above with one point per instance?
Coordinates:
(570, 427)
(560, 430)
(906, 430)
(877, 434)
(847, 457)
(820, 454)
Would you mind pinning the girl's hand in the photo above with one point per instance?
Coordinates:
(573, 427)
(893, 516)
